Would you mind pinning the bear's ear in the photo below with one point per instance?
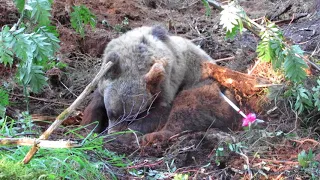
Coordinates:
(155, 76)
(115, 58)
(160, 32)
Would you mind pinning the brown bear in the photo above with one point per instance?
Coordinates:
(197, 109)
(151, 67)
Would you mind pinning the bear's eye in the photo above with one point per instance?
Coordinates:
(112, 74)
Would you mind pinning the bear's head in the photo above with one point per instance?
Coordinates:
(141, 66)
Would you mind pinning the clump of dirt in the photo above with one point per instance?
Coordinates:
(9, 14)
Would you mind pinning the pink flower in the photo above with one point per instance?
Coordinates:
(251, 117)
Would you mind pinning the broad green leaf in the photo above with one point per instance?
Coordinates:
(33, 75)
(22, 47)
(6, 56)
(6, 44)
(37, 79)
(303, 98)
(20, 5)
(24, 70)
(265, 52)
(51, 35)
(43, 50)
(40, 12)
(294, 66)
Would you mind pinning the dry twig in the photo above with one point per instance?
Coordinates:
(41, 99)
(38, 143)
(280, 162)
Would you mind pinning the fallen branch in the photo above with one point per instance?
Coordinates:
(302, 141)
(280, 162)
(294, 18)
(38, 143)
(65, 114)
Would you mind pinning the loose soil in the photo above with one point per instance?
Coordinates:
(271, 150)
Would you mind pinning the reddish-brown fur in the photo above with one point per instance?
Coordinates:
(197, 109)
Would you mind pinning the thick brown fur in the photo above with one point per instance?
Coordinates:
(94, 112)
(197, 109)
(151, 68)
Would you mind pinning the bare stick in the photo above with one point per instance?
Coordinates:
(224, 59)
(38, 143)
(41, 99)
(66, 113)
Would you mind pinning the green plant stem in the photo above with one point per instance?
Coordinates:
(16, 25)
(26, 95)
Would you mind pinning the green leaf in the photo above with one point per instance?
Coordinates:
(24, 70)
(80, 17)
(6, 44)
(20, 5)
(22, 47)
(42, 49)
(303, 98)
(294, 66)
(232, 34)
(51, 35)
(270, 47)
(38, 79)
(32, 75)
(297, 50)
(4, 101)
(302, 156)
(265, 52)
(40, 13)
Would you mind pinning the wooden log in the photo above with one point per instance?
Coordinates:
(245, 83)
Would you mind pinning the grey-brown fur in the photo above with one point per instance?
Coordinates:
(176, 62)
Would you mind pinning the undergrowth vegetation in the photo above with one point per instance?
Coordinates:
(90, 161)
(273, 48)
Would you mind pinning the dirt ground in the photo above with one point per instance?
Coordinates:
(269, 153)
